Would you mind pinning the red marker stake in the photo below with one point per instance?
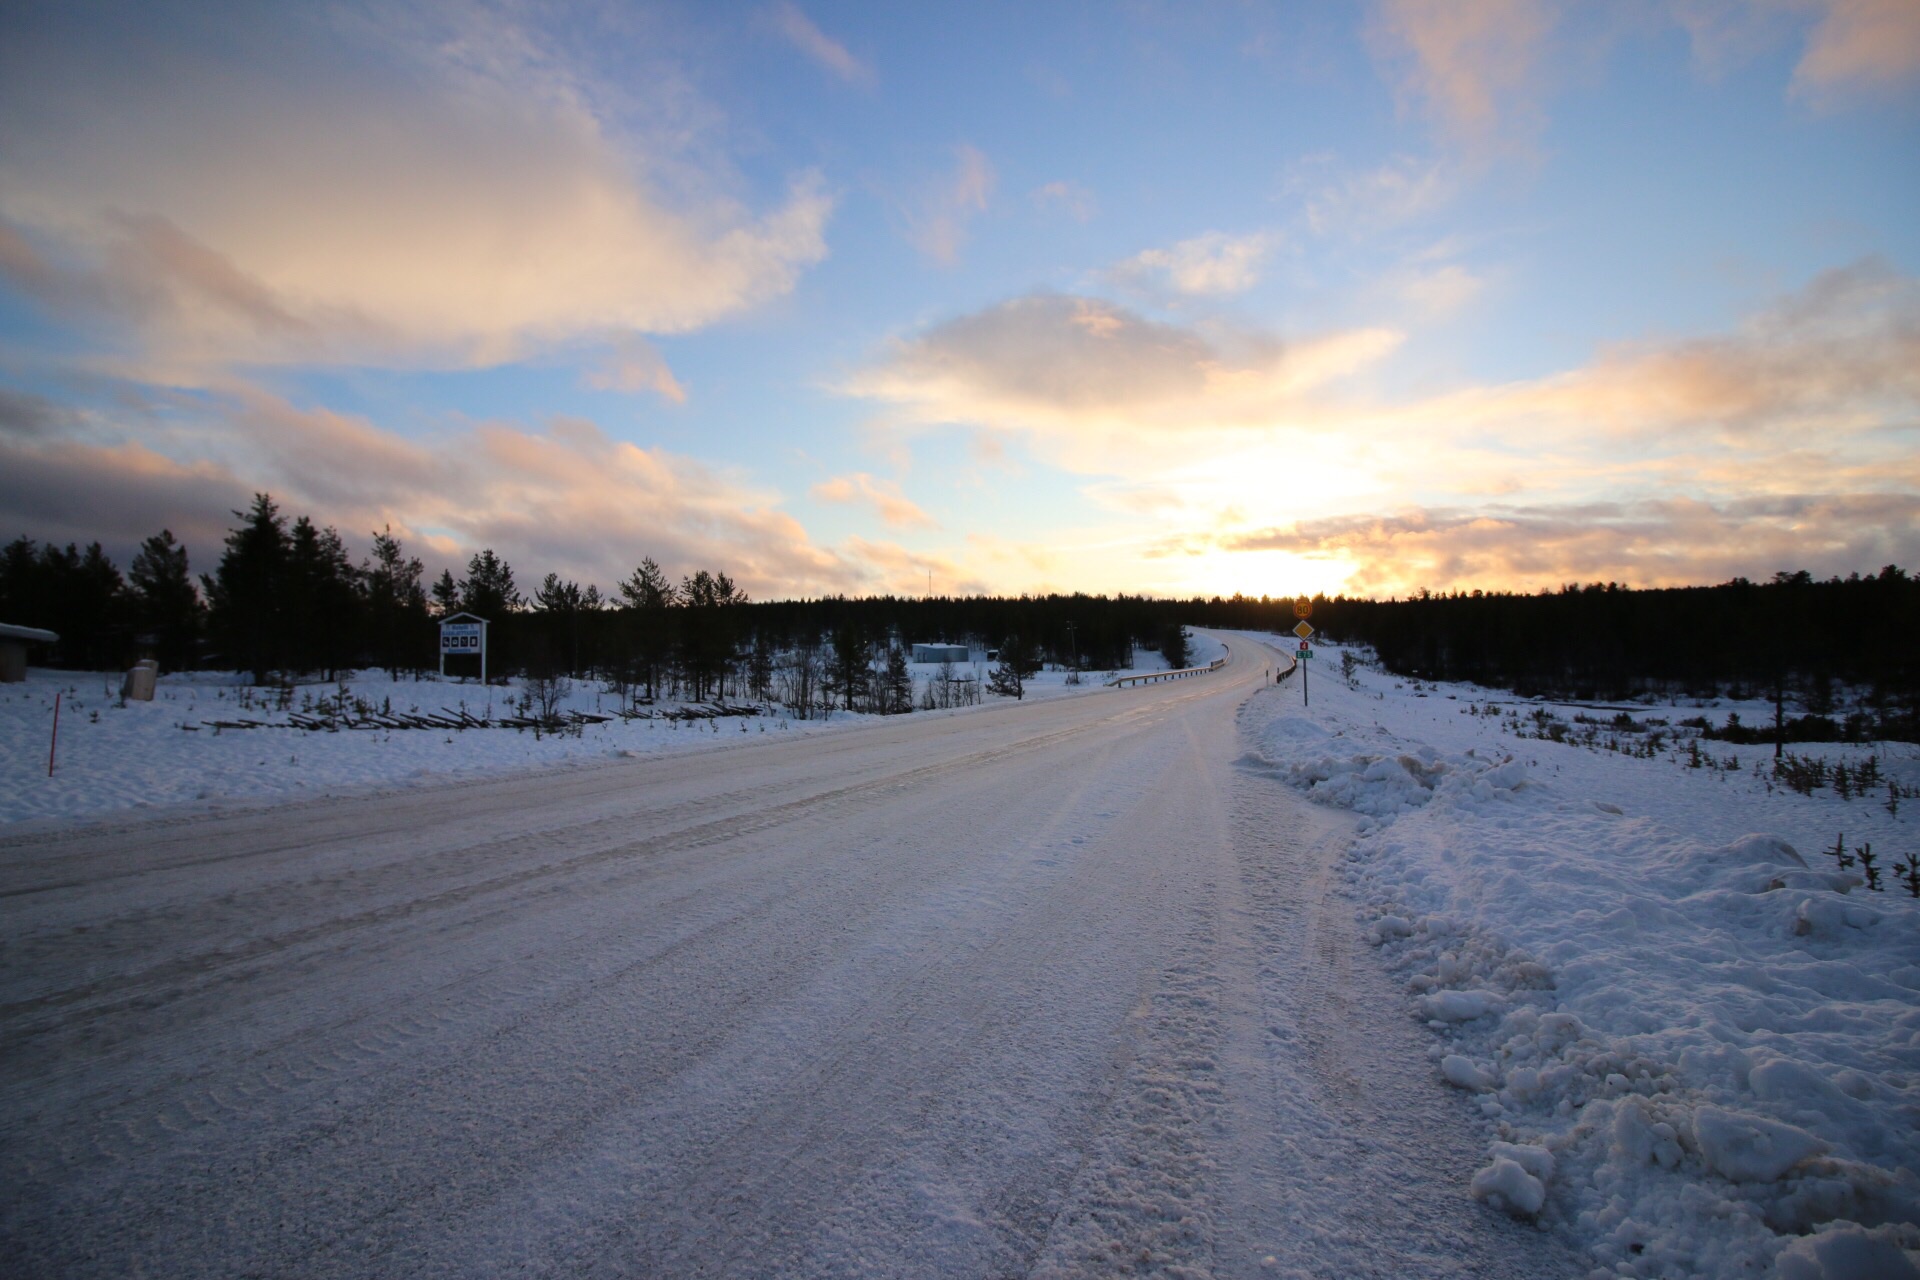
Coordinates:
(52, 746)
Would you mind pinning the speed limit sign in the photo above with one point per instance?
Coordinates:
(1302, 607)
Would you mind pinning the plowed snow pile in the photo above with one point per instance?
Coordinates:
(1694, 1036)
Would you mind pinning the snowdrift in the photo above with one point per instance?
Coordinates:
(1698, 1053)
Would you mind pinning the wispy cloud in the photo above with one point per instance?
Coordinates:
(1472, 66)
(633, 364)
(1400, 191)
(1860, 44)
(1070, 198)
(1209, 264)
(939, 219)
(800, 31)
(883, 496)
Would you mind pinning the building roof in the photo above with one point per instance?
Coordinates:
(10, 632)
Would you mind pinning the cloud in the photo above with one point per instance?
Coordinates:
(1647, 542)
(1438, 292)
(937, 224)
(564, 497)
(1239, 442)
(802, 34)
(1069, 198)
(896, 571)
(634, 365)
(25, 414)
(1214, 263)
(339, 187)
(1093, 379)
(1860, 44)
(1402, 190)
(1840, 354)
(63, 491)
(1472, 66)
(883, 495)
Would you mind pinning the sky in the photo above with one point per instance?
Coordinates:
(1161, 298)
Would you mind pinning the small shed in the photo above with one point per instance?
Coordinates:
(13, 650)
(940, 653)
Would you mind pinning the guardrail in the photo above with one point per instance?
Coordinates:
(1154, 677)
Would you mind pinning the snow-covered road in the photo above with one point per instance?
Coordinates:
(1048, 989)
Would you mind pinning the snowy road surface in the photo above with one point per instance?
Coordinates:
(1049, 990)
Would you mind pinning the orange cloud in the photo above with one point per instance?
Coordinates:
(1651, 542)
(566, 498)
(883, 495)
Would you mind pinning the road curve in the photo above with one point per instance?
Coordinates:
(1048, 989)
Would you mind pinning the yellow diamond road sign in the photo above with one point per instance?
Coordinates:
(1303, 630)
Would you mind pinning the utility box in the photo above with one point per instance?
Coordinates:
(138, 686)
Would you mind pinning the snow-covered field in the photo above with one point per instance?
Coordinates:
(114, 755)
(1694, 1036)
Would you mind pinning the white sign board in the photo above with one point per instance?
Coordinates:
(464, 638)
(461, 637)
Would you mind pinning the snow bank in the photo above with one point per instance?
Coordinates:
(1710, 1039)
(116, 755)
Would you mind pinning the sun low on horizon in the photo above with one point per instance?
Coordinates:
(1161, 298)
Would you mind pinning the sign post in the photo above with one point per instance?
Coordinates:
(1303, 629)
(464, 634)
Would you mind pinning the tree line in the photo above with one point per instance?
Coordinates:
(287, 600)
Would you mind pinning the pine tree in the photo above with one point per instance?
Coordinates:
(1017, 663)
(1174, 648)
(396, 604)
(560, 603)
(850, 669)
(445, 595)
(247, 592)
(647, 597)
(166, 606)
(488, 590)
(898, 682)
(323, 600)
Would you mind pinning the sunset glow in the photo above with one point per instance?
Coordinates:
(840, 297)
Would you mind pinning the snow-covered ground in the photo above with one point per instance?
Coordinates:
(114, 755)
(1003, 991)
(1694, 1036)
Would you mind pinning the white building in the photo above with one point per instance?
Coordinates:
(940, 653)
(13, 650)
